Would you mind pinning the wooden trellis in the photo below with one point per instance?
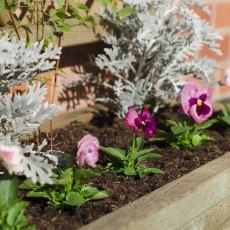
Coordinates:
(79, 35)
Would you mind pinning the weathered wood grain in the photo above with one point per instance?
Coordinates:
(79, 35)
(179, 204)
(5, 18)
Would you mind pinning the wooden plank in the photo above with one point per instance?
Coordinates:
(5, 18)
(226, 226)
(79, 34)
(213, 218)
(176, 204)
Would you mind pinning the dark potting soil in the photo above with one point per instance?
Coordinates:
(122, 189)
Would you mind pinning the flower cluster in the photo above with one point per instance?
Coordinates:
(142, 121)
(88, 151)
(196, 101)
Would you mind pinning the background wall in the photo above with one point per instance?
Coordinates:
(220, 19)
(72, 94)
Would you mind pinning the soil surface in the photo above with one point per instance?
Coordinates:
(123, 189)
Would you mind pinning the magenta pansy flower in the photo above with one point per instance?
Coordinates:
(142, 121)
(196, 101)
(88, 151)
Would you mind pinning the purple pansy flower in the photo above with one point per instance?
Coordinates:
(88, 151)
(196, 101)
(141, 121)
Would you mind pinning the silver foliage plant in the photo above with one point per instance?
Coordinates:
(156, 48)
(21, 114)
(20, 62)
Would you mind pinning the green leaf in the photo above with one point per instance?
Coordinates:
(139, 143)
(179, 129)
(60, 2)
(65, 179)
(86, 174)
(65, 27)
(226, 119)
(27, 184)
(143, 152)
(205, 124)
(148, 156)
(114, 152)
(57, 196)
(8, 190)
(148, 171)
(61, 71)
(88, 191)
(14, 212)
(125, 12)
(196, 140)
(13, 5)
(130, 172)
(22, 222)
(39, 193)
(105, 3)
(81, 6)
(74, 199)
(100, 195)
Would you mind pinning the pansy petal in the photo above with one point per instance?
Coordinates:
(138, 122)
(92, 158)
(150, 128)
(149, 133)
(145, 114)
(86, 140)
(188, 92)
(130, 117)
(204, 90)
(201, 115)
(203, 110)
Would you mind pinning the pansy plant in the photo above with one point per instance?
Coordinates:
(131, 162)
(69, 188)
(187, 131)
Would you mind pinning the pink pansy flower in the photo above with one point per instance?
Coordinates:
(140, 121)
(12, 158)
(196, 101)
(88, 151)
(227, 76)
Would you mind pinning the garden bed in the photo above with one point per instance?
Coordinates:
(182, 201)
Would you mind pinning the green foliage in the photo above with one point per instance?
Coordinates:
(130, 163)
(225, 116)
(68, 188)
(125, 11)
(184, 134)
(12, 4)
(58, 16)
(12, 215)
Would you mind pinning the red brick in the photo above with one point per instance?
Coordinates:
(224, 45)
(203, 14)
(222, 15)
(223, 89)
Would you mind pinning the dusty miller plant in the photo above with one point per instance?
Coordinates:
(153, 48)
(21, 114)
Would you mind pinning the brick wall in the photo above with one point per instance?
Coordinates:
(220, 19)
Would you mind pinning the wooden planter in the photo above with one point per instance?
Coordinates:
(198, 200)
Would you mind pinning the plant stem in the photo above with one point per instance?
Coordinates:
(132, 155)
(55, 80)
(12, 19)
